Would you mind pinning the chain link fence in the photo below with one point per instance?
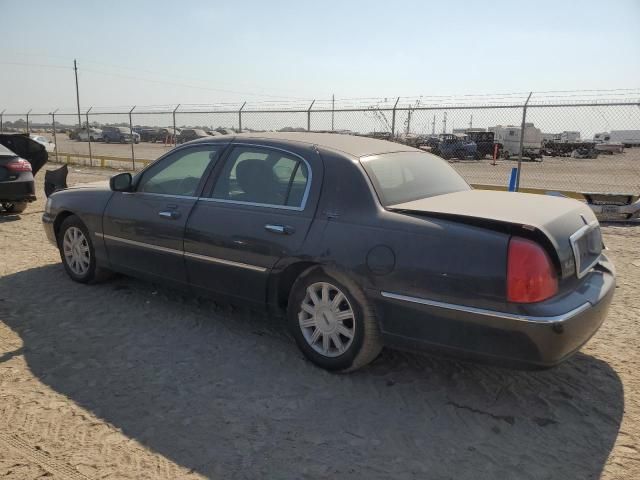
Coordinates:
(563, 142)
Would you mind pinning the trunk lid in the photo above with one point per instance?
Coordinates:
(567, 228)
(24, 146)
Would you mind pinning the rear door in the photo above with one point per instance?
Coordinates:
(143, 230)
(258, 211)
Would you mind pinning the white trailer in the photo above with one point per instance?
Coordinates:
(509, 137)
(628, 138)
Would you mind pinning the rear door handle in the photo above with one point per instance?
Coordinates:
(281, 229)
(170, 214)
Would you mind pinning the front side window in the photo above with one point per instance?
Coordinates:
(180, 173)
(405, 176)
(262, 176)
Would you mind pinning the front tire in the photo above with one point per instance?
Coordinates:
(77, 252)
(332, 321)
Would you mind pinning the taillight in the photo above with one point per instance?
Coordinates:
(18, 165)
(530, 273)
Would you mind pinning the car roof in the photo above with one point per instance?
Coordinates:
(354, 145)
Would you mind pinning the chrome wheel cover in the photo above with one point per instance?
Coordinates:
(327, 320)
(76, 251)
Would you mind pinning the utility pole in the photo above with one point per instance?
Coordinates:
(75, 69)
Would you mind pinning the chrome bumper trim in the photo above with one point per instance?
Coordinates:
(489, 313)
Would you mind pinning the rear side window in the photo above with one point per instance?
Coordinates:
(262, 176)
(405, 176)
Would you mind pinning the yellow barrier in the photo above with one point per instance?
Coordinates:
(539, 191)
(99, 158)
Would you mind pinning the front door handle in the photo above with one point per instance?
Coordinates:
(170, 214)
(281, 229)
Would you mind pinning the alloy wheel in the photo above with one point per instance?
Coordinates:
(76, 251)
(327, 320)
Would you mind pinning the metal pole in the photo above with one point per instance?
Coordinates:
(471, 122)
(409, 120)
(55, 138)
(174, 125)
(240, 118)
(89, 138)
(333, 111)
(433, 126)
(521, 150)
(1, 121)
(444, 123)
(28, 131)
(393, 118)
(75, 69)
(309, 116)
(133, 153)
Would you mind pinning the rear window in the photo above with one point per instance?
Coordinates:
(405, 176)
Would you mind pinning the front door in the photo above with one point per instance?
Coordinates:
(258, 211)
(143, 230)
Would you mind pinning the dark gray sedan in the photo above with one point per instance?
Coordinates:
(360, 242)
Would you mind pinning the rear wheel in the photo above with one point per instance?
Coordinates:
(332, 321)
(15, 207)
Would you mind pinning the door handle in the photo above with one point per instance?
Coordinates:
(170, 214)
(281, 229)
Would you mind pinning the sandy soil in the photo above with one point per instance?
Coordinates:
(130, 380)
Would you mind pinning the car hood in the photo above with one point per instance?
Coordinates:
(548, 219)
(24, 146)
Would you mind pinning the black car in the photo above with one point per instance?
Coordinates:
(359, 242)
(188, 134)
(485, 142)
(20, 159)
(119, 135)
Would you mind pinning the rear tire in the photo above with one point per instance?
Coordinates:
(332, 321)
(15, 207)
(77, 252)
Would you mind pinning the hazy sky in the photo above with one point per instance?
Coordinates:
(157, 52)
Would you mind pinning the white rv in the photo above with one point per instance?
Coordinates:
(628, 138)
(509, 137)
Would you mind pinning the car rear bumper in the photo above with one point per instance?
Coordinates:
(18, 190)
(524, 340)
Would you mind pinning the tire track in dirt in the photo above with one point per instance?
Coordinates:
(37, 455)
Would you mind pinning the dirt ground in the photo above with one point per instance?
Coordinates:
(131, 380)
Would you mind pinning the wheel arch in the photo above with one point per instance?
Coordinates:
(282, 283)
(61, 217)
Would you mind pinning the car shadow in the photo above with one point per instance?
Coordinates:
(225, 392)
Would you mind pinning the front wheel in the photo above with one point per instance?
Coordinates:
(332, 321)
(77, 252)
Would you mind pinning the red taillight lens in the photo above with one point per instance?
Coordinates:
(18, 165)
(530, 273)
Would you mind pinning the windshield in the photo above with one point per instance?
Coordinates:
(405, 176)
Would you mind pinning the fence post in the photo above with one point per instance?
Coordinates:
(393, 118)
(55, 138)
(89, 137)
(240, 118)
(521, 149)
(174, 125)
(309, 116)
(1, 121)
(133, 154)
(28, 131)
(333, 111)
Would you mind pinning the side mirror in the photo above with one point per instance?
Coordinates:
(123, 182)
